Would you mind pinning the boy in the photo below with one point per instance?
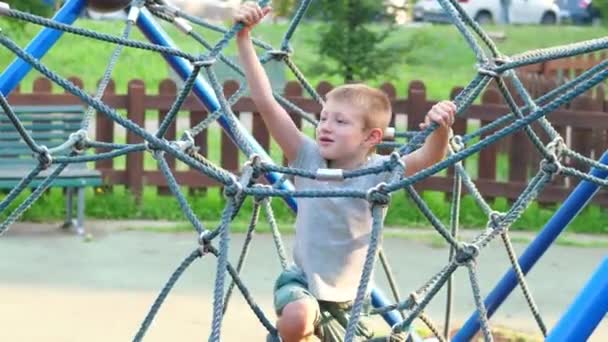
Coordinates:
(332, 234)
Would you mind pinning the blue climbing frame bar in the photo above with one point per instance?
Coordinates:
(587, 310)
(205, 93)
(39, 46)
(575, 202)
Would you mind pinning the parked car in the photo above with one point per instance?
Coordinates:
(580, 12)
(491, 11)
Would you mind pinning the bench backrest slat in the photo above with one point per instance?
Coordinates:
(50, 126)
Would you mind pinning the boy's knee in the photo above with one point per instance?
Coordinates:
(297, 320)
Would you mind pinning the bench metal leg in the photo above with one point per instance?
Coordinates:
(80, 212)
(69, 195)
(70, 222)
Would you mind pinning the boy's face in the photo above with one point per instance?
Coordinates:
(342, 136)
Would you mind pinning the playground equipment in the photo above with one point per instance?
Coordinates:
(400, 314)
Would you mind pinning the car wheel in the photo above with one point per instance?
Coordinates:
(548, 18)
(484, 18)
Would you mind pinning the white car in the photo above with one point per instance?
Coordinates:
(490, 11)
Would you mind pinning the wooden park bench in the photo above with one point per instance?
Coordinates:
(49, 126)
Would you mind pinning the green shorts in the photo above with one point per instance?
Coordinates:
(331, 318)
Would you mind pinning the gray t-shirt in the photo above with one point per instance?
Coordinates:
(332, 234)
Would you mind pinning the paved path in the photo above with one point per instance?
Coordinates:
(55, 287)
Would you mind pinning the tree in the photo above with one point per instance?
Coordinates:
(602, 8)
(283, 8)
(348, 40)
(37, 7)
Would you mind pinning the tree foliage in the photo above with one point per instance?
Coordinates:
(37, 7)
(352, 39)
(602, 7)
(283, 8)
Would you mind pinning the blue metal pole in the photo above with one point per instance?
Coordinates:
(39, 46)
(575, 202)
(587, 310)
(205, 93)
(391, 317)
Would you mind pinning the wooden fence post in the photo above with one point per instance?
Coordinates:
(323, 88)
(200, 140)
(230, 153)
(41, 86)
(167, 88)
(135, 161)
(391, 93)
(487, 156)
(417, 106)
(104, 131)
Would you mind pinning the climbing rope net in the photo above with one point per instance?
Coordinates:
(492, 65)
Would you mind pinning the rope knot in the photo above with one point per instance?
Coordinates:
(495, 219)
(187, 143)
(204, 62)
(234, 189)
(487, 71)
(378, 195)
(465, 254)
(457, 143)
(259, 196)
(551, 164)
(204, 241)
(79, 137)
(556, 146)
(149, 147)
(279, 55)
(489, 68)
(500, 60)
(158, 154)
(255, 162)
(550, 167)
(44, 157)
(395, 161)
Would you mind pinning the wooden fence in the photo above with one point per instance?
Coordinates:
(500, 170)
(564, 68)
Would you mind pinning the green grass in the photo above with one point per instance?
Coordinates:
(120, 204)
(438, 55)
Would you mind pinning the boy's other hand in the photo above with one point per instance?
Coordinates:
(249, 14)
(443, 113)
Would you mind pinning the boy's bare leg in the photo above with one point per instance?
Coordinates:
(296, 323)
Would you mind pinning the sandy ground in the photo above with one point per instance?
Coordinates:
(55, 287)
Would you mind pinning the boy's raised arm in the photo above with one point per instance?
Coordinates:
(277, 120)
(436, 145)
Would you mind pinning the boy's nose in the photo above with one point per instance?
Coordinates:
(324, 126)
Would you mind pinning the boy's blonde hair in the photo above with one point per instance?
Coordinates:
(374, 103)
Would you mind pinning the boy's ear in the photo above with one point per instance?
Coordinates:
(375, 136)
